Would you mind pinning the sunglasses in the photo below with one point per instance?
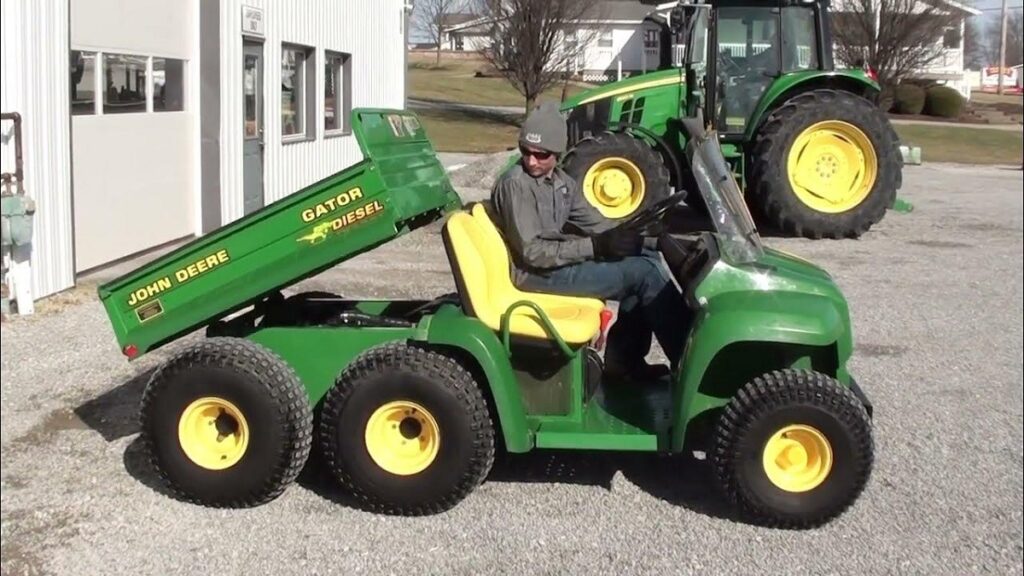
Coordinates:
(538, 154)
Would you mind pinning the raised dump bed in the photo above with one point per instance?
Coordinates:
(399, 186)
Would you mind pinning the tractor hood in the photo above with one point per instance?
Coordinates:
(627, 86)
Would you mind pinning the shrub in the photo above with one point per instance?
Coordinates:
(909, 99)
(944, 102)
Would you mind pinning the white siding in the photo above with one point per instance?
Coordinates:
(154, 27)
(627, 47)
(370, 30)
(34, 82)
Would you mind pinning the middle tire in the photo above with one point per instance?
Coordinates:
(407, 431)
(619, 174)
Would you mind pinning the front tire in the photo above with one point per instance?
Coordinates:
(226, 423)
(618, 173)
(793, 449)
(825, 165)
(407, 431)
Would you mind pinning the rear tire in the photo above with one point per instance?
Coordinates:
(634, 155)
(827, 428)
(226, 423)
(771, 188)
(407, 431)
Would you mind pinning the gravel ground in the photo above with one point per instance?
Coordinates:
(936, 300)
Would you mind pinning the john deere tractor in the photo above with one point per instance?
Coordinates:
(814, 154)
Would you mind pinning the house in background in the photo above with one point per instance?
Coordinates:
(948, 68)
(466, 32)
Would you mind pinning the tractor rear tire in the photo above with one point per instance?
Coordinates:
(619, 174)
(226, 423)
(813, 132)
(407, 431)
(793, 449)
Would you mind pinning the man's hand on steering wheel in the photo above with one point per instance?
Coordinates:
(617, 243)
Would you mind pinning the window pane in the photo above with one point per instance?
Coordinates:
(335, 91)
(800, 44)
(83, 70)
(292, 63)
(168, 85)
(125, 84)
(250, 82)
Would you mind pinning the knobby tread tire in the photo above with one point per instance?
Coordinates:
(450, 386)
(651, 164)
(263, 378)
(769, 188)
(739, 438)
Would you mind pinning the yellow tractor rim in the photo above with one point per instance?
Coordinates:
(402, 437)
(615, 186)
(213, 433)
(832, 166)
(797, 458)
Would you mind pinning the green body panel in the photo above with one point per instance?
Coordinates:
(450, 327)
(779, 312)
(399, 185)
(319, 354)
(779, 91)
(640, 85)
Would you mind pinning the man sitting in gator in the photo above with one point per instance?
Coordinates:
(561, 244)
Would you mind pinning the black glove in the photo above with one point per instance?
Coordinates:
(616, 244)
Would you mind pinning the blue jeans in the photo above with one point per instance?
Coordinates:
(648, 302)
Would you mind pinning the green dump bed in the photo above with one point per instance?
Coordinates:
(399, 185)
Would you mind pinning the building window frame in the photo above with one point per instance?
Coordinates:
(341, 73)
(307, 97)
(100, 74)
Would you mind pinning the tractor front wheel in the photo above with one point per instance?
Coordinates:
(619, 174)
(407, 431)
(226, 423)
(793, 449)
(825, 165)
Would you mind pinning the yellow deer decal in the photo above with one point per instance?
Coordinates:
(319, 234)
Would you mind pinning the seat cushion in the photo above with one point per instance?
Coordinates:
(482, 264)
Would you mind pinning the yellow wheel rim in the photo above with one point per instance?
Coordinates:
(615, 186)
(797, 458)
(213, 433)
(402, 437)
(832, 166)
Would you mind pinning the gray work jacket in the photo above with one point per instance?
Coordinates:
(533, 214)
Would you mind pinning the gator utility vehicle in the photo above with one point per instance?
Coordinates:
(815, 155)
(413, 397)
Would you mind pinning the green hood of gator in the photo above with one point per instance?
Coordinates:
(650, 80)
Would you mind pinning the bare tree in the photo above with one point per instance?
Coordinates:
(536, 43)
(896, 37)
(1014, 39)
(975, 51)
(431, 17)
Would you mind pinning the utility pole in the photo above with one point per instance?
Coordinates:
(1002, 51)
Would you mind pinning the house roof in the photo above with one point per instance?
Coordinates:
(456, 18)
(476, 23)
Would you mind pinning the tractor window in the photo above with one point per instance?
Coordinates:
(799, 39)
(748, 61)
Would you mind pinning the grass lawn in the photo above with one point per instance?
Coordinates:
(454, 81)
(964, 145)
(455, 131)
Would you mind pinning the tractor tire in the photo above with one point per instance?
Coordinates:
(793, 449)
(620, 175)
(226, 423)
(407, 431)
(825, 165)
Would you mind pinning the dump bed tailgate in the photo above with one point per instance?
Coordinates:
(399, 184)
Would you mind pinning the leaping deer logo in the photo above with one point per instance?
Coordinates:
(318, 235)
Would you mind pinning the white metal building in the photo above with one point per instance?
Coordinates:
(147, 122)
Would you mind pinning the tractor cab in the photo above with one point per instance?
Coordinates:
(746, 46)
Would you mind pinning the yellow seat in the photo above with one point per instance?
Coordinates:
(481, 263)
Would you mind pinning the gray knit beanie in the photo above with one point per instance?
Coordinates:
(544, 128)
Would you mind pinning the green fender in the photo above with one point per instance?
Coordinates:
(449, 327)
(796, 321)
(854, 80)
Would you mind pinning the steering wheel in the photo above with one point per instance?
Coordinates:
(654, 213)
